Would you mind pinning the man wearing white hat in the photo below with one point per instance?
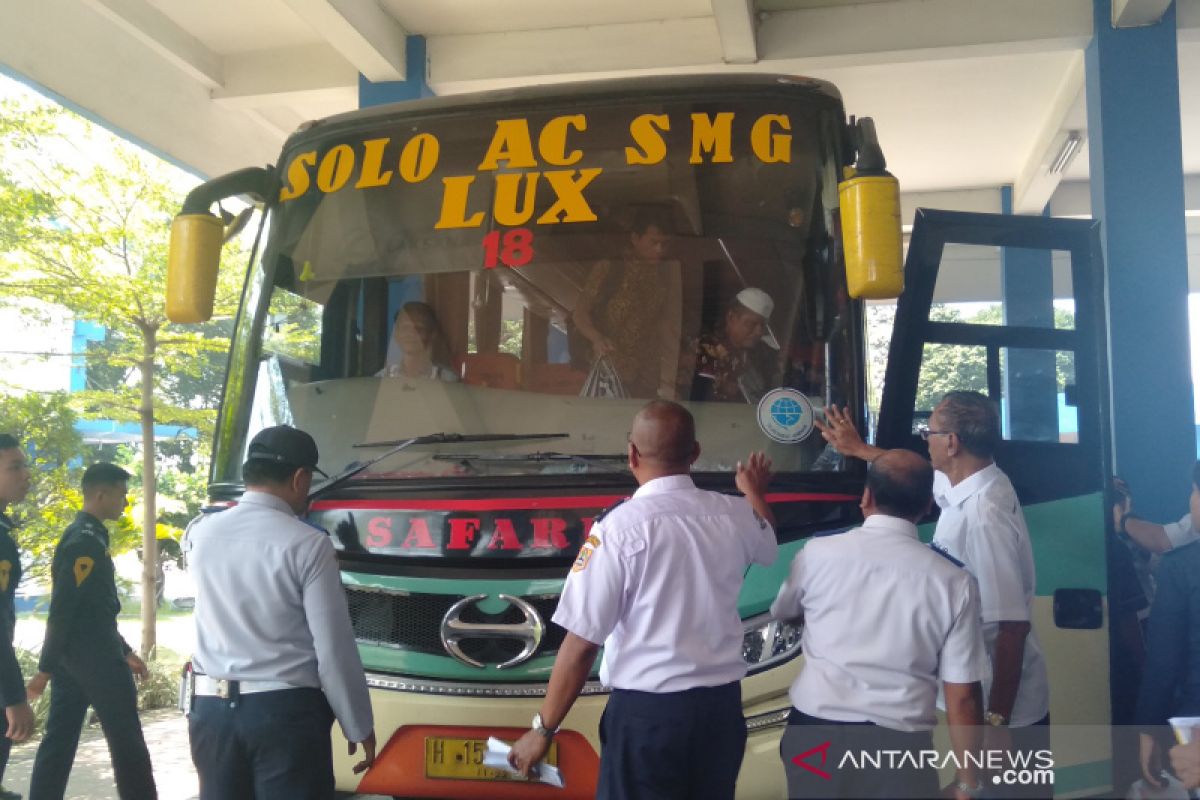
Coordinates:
(723, 369)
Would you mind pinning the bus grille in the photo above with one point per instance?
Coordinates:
(412, 622)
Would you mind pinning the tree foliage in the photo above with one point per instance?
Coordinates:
(944, 367)
(84, 224)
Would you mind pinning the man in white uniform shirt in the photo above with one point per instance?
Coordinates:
(275, 661)
(886, 619)
(657, 584)
(982, 525)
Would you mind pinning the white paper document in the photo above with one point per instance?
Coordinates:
(496, 757)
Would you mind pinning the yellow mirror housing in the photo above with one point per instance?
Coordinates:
(192, 266)
(870, 210)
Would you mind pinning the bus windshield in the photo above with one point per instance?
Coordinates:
(549, 271)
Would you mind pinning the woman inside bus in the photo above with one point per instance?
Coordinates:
(418, 347)
(1171, 683)
(631, 303)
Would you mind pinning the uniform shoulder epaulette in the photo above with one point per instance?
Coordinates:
(832, 532)
(610, 509)
(941, 551)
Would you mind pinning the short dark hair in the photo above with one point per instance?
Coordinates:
(900, 490)
(972, 417)
(267, 473)
(101, 474)
(647, 216)
(9, 442)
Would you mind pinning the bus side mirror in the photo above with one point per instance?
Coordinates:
(870, 210)
(195, 257)
(871, 236)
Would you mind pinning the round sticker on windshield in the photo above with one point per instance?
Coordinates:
(785, 416)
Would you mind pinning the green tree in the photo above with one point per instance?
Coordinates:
(45, 426)
(946, 368)
(85, 222)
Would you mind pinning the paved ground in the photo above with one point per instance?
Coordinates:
(165, 731)
(92, 779)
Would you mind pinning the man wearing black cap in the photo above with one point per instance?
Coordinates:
(84, 654)
(273, 638)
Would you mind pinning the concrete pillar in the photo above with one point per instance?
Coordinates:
(1137, 193)
(414, 88)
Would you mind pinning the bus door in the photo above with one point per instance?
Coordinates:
(1041, 356)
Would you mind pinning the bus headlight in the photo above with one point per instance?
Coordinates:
(767, 642)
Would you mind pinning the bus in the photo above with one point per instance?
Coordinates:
(465, 300)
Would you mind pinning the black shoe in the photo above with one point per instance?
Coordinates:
(5, 794)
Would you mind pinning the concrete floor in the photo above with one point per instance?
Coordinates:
(92, 778)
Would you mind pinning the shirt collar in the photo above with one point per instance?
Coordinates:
(266, 499)
(94, 524)
(971, 486)
(669, 483)
(885, 522)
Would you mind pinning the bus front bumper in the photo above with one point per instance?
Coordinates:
(418, 732)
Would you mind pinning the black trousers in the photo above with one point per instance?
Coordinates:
(263, 746)
(677, 746)
(106, 684)
(832, 763)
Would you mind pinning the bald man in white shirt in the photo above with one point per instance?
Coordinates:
(657, 584)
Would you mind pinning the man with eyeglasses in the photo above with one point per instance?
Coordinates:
(982, 525)
(274, 643)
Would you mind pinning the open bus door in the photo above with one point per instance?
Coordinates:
(1049, 377)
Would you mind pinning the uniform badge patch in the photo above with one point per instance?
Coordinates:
(83, 568)
(593, 540)
(5, 575)
(585, 555)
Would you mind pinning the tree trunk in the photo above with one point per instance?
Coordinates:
(149, 495)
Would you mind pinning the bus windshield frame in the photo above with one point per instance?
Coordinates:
(374, 244)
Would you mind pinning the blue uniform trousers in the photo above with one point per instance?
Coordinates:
(106, 684)
(263, 746)
(673, 746)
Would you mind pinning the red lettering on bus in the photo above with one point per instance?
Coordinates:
(379, 532)
(588, 522)
(418, 534)
(504, 537)
(550, 532)
(463, 531)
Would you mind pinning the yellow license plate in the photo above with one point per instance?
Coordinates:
(462, 759)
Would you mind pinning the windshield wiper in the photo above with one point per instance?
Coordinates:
(459, 438)
(433, 438)
(588, 459)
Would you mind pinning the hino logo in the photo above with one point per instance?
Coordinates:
(528, 632)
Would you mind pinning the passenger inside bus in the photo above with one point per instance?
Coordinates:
(634, 300)
(418, 347)
(725, 369)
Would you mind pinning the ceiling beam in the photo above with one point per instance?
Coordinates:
(289, 75)
(1138, 13)
(923, 30)
(155, 30)
(55, 44)
(570, 53)
(1061, 139)
(361, 31)
(736, 27)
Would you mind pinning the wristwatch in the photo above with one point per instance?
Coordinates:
(541, 728)
(996, 720)
(968, 790)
